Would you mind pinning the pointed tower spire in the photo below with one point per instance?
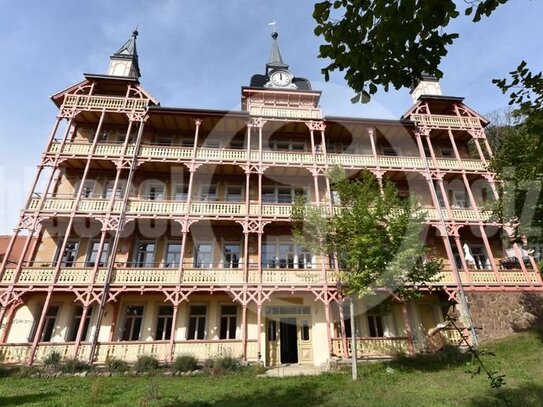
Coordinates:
(276, 61)
(124, 62)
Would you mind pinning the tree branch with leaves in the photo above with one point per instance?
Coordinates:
(374, 234)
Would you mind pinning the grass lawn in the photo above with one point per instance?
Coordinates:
(412, 383)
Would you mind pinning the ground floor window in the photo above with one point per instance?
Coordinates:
(49, 323)
(197, 322)
(228, 322)
(76, 322)
(164, 323)
(132, 323)
(375, 325)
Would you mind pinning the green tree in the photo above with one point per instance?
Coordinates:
(516, 139)
(394, 42)
(375, 235)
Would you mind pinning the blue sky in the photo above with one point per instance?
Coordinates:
(198, 54)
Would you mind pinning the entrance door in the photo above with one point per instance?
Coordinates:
(289, 340)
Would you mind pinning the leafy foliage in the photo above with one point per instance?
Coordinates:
(526, 89)
(72, 365)
(184, 363)
(388, 42)
(146, 363)
(376, 236)
(52, 359)
(518, 148)
(115, 365)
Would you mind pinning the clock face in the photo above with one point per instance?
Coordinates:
(280, 78)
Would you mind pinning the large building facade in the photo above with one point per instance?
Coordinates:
(166, 231)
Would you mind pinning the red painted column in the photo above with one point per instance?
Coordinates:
(408, 331)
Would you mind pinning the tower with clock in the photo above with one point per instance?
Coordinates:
(279, 93)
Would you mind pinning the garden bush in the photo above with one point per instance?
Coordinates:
(115, 365)
(184, 363)
(146, 363)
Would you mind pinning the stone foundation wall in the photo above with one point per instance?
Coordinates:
(498, 314)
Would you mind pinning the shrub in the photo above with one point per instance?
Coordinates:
(52, 359)
(22, 372)
(146, 363)
(73, 365)
(115, 365)
(209, 363)
(184, 363)
(225, 364)
(257, 369)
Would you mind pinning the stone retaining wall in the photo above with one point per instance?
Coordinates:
(498, 314)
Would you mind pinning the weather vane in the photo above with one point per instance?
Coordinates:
(273, 24)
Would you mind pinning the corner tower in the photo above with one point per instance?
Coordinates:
(124, 62)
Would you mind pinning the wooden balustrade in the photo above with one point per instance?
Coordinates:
(18, 353)
(373, 346)
(214, 155)
(444, 121)
(92, 102)
(157, 276)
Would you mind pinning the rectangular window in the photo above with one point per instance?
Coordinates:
(155, 192)
(69, 257)
(272, 330)
(304, 258)
(145, 254)
(88, 189)
(180, 192)
(208, 193)
(232, 254)
(237, 144)
(173, 255)
(187, 142)
(480, 258)
(305, 330)
(286, 256)
(203, 255)
(284, 195)
(268, 255)
(228, 322)
(197, 322)
(389, 151)
(164, 140)
(108, 190)
(375, 324)
(132, 323)
(164, 323)
(92, 255)
(268, 194)
(76, 321)
(234, 193)
(49, 323)
(460, 199)
(446, 152)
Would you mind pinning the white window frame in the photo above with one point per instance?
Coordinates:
(125, 317)
(206, 322)
(242, 192)
(136, 261)
(195, 250)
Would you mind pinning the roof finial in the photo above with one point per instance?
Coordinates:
(135, 32)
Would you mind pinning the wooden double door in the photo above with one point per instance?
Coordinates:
(289, 340)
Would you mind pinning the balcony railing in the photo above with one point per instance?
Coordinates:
(105, 102)
(215, 209)
(159, 276)
(18, 353)
(373, 346)
(215, 155)
(444, 121)
(154, 276)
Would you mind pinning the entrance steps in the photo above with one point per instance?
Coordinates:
(295, 369)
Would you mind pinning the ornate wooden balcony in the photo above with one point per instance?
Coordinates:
(93, 102)
(161, 276)
(193, 276)
(372, 346)
(444, 121)
(215, 155)
(18, 353)
(138, 207)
